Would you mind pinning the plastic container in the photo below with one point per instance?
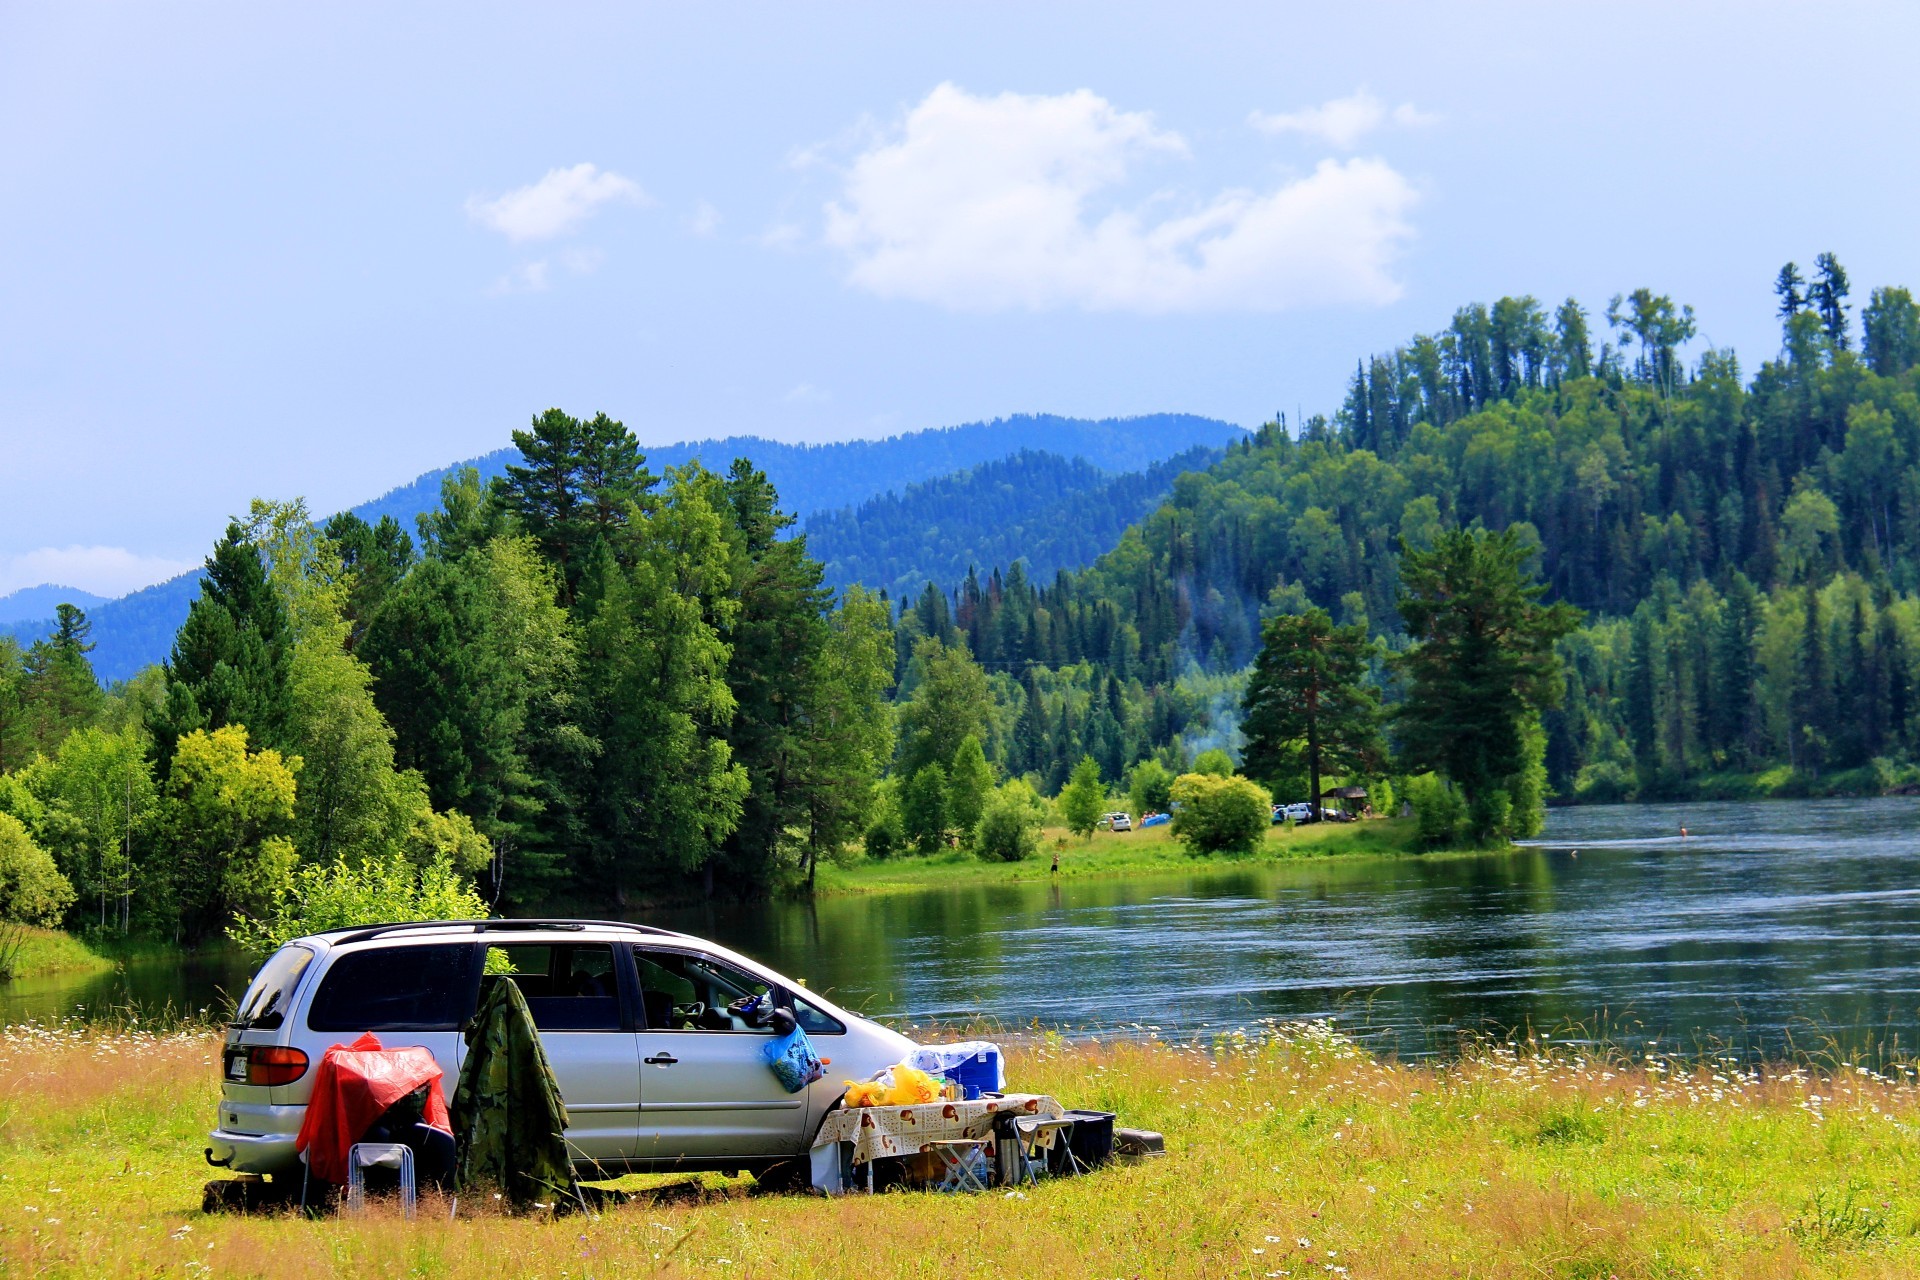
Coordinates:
(976, 1075)
(1091, 1140)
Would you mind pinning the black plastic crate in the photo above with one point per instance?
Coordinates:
(1091, 1141)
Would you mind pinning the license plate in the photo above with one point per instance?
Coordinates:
(237, 1066)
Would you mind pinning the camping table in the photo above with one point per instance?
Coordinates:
(876, 1132)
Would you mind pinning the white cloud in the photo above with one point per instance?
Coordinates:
(556, 204)
(1341, 122)
(704, 220)
(807, 393)
(104, 571)
(981, 203)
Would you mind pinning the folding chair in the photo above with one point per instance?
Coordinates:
(963, 1163)
(1033, 1138)
(379, 1155)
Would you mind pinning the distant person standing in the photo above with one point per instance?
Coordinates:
(1056, 863)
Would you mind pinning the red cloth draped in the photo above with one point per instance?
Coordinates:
(352, 1087)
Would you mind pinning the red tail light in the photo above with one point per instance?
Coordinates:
(274, 1064)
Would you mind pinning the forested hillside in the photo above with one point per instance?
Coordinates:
(1747, 548)
(133, 632)
(1053, 512)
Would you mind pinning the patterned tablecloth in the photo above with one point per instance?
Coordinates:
(900, 1131)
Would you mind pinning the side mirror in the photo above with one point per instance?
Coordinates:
(783, 1021)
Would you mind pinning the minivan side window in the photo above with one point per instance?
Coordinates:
(683, 992)
(568, 986)
(417, 988)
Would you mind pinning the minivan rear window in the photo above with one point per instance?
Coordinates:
(264, 1004)
(419, 988)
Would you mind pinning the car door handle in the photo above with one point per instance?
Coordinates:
(660, 1060)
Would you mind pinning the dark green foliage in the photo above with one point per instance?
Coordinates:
(456, 709)
(923, 809)
(377, 556)
(1482, 666)
(1310, 687)
(233, 656)
(579, 485)
(1892, 324)
(52, 691)
(947, 703)
(1084, 797)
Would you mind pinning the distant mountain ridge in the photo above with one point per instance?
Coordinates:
(36, 604)
(828, 477)
(1052, 512)
(136, 630)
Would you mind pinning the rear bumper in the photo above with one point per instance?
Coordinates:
(256, 1138)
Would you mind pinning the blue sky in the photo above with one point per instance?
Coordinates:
(313, 251)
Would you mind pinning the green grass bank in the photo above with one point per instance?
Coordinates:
(29, 952)
(1146, 852)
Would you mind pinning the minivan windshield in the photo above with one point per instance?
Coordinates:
(265, 1003)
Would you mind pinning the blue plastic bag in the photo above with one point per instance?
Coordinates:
(793, 1060)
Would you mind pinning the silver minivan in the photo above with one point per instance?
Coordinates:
(657, 1072)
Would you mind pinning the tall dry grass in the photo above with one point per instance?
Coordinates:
(1293, 1153)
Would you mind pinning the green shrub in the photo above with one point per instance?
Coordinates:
(1010, 823)
(1220, 815)
(1437, 808)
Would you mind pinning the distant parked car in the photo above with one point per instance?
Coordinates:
(1117, 822)
(1300, 811)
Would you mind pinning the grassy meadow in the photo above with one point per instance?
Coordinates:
(1148, 851)
(1291, 1153)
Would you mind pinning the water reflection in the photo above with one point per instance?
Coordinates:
(1767, 922)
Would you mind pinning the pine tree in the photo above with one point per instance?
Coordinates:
(582, 482)
(232, 660)
(1309, 687)
(1642, 694)
(1789, 286)
(1482, 666)
(1829, 299)
(1812, 701)
(1730, 726)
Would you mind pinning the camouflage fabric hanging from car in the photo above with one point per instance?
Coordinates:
(509, 1119)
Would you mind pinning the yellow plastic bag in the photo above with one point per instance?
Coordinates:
(864, 1093)
(911, 1086)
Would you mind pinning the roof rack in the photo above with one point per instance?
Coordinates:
(364, 932)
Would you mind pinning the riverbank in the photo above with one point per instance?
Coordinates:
(1782, 782)
(29, 952)
(1145, 852)
(1290, 1153)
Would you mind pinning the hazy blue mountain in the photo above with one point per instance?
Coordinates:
(828, 477)
(1053, 512)
(35, 604)
(136, 630)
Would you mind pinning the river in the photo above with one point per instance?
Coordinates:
(1768, 925)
